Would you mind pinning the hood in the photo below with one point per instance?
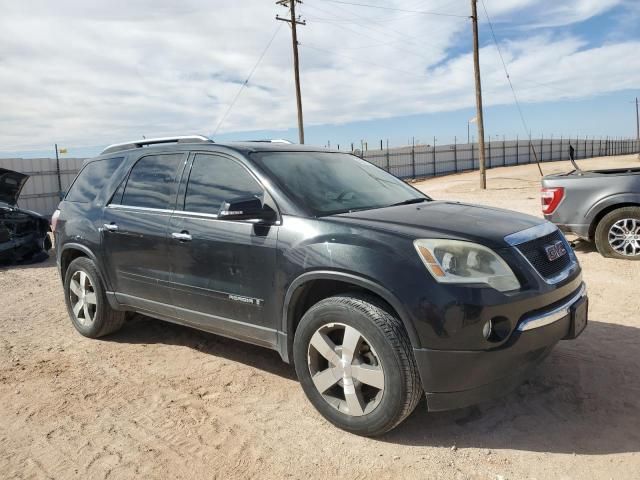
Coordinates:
(438, 219)
(11, 184)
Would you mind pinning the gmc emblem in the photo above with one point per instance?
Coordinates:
(555, 250)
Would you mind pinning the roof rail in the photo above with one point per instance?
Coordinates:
(155, 141)
(271, 140)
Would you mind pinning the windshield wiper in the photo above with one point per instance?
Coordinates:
(410, 201)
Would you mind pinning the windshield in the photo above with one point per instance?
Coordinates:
(329, 183)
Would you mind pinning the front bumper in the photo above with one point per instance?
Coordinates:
(455, 379)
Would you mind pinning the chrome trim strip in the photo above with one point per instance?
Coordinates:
(532, 233)
(142, 209)
(558, 313)
(187, 213)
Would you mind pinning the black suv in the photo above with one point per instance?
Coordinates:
(377, 293)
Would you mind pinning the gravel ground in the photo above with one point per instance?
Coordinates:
(162, 401)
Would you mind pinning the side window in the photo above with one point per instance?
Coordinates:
(214, 180)
(91, 179)
(152, 182)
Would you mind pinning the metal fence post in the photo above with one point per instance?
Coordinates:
(517, 150)
(489, 156)
(504, 153)
(413, 160)
(58, 173)
(388, 163)
(473, 161)
(529, 159)
(585, 147)
(455, 153)
(542, 148)
(434, 156)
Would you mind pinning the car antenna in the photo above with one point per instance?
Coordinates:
(572, 157)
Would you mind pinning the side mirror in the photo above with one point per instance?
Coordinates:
(249, 208)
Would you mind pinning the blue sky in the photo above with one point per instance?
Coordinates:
(367, 73)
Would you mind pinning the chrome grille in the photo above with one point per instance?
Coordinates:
(534, 251)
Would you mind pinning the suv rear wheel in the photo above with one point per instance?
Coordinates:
(618, 234)
(356, 366)
(86, 301)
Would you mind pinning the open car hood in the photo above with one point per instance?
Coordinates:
(11, 184)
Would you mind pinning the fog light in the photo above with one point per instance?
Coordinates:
(496, 329)
(487, 329)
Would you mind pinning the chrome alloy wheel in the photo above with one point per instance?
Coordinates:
(83, 298)
(345, 369)
(624, 237)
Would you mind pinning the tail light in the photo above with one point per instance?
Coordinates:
(54, 220)
(551, 198)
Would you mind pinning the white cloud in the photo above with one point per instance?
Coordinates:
(91, 73)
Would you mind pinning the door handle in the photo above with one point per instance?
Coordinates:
(182, 236)
(110, 227)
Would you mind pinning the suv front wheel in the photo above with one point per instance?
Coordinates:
(355, 364)
(86, 301)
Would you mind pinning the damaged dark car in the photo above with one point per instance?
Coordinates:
(24, 235)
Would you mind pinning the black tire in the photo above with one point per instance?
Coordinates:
(105, 319)
(46, 242)
(390, 345)
(605, 225)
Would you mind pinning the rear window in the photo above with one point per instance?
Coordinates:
(91, 179)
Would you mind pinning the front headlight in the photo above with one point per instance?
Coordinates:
(454, 261)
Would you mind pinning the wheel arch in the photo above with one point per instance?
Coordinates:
(301, 295)
(70, 252)
(608, 205)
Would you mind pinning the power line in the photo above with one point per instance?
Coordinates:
(504, 66)
(401, 37)
(506, 72)
(421, 12)
(384, 67)
(264, 52)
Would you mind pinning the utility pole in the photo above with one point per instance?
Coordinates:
(480, 118)
(637, 126)
(293, 21)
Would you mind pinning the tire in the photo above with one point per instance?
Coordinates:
(46, 242)
(617, 222)
(98, 318)
(382, 345)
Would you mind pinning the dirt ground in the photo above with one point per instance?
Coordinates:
(162, 401)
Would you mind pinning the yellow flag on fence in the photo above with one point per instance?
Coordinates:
(62, 150)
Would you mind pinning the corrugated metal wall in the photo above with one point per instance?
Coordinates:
(428, 161)
(40, 193)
